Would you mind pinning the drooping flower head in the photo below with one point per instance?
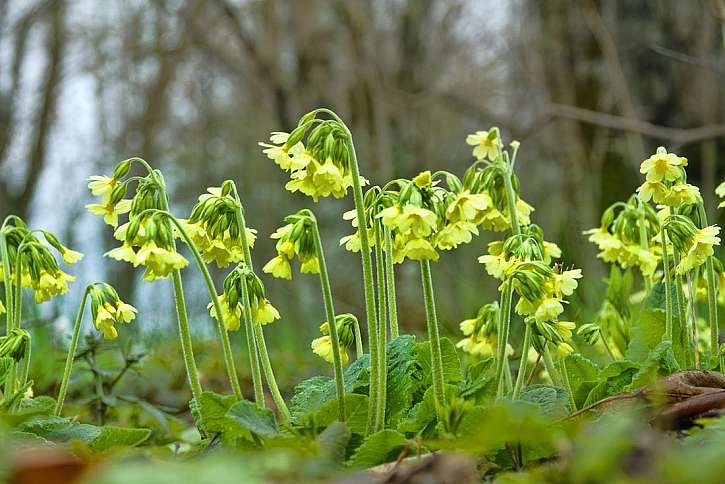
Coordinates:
(242, 282)
(295, 240)
(322, 346)
(107, 309)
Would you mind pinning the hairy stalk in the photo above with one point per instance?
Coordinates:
(330, 312)
(367, 267)
(358, 340)
(259, 345)
(681, 315)
(9, 309)
(567, 385)
(223, 333)
(711, 297)
(187, 350)
(502, 340)
(71, 353)
(251, 342)
(551, 368)
(643, 241)
(390, 285)
(693, 319)
(668, 285)
(436, 359)
(523, 363)
(382, 326)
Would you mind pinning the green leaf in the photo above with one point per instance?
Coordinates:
(257, 420)
(422, 417)
(356, 412)
(451, 364)
(379, 448)
(552, 402)
(401, 384)
(660, 362)
(59, 429)
(613, 379)
(583, 376)
(210, 413)
(332, 442)
(110, 437)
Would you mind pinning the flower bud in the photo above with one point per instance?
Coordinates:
(122, 169)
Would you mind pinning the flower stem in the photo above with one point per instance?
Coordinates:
(390, 284)
(643, 241)
(71, 353)
(567, 385)
(330, 312)
(681, 316)
(693, 318)
(502, 340)
(668, 283)
(436, 359)
(711, 297)
(258, 341)
(253, 347)
(551, 367)
(382, 327)
(187, 350)
(521, 377)
(223, 333)
(358, 340)
(9, 309)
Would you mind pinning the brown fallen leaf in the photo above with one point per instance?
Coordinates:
(46, 466)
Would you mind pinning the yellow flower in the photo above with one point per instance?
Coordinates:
(159, 262)
(566, 282)
(420, 249)
(564, 328)
(550, 251)
(222, 252)
(50, 285)
(310, 266)
(288, 158)
(105, 320)
(523, 212)
(123, 253)
(700, 250)
(322, 347)
(110, 212)
(328, 179)
(563, 349)
(419, 222)
(455, 234)
(486, 144)
(549, 309)
(423, 179)
(70, 256)
(653, 190)
(662, 166)
(682, 194)
(265, 313)
(468, 207)
(279, 267)
(231, 318)
(101, 186)
(496, 265)
(468, 326)
(125, 313)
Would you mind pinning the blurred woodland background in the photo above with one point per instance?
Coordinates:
(590, 88)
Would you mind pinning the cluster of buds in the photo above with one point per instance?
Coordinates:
(231, 299)
(666, 180)
(504, 255)
(619, 236)
(14, 344)
(317, 156)
(111, 191)
(107, 309)
(480, 332)
(39, 269)
(215, 228)
(322, 346)
(295, 240)
(692, 244)
(148, 240)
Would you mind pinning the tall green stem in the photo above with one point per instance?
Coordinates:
(9, 308)
(390, 284)
(367, 267)
(223, 333)
(681, 315)
(711, 298)
(436, 358)
(261, 344)
(643, 240)
(502, 340)
(358, 340)
(551, 368)
(71, 353)
(521, 376)
(668, 285)
(330, 312)
(693, 320)
(253, 347)
(567, 385)
(182, 317)
(382, 327)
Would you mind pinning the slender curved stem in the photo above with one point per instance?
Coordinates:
(223, 333)
(358, 340)
(182, 316)
(551, 367)
(258, 341)
(367, 267)
(253, 348)
(26, 363)
(681, 315)
(390, 284)
(502, 340)
(668, 285)
(567, 385)
(382, 327)
(436, 359)
(71, 353)
(9, 302)
(711, 297)
(643, 241)
(693, 320)
(330, 313)
(521, 377)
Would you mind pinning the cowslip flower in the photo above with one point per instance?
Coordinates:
(231, 314)
(107, 314)
(159, 261)
(110, 211)
(289, 158)
(486, 144)
(50, 284)
(279, 267)
(700, 250)
(662, 166)
(468, 207)
(101, 186)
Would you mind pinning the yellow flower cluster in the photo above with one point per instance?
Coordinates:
(322, 346)
(293, 241)
(262, 312)
(107, 310)
(108, 208)
(700, 249)
(480, 333)
(612, 249)
(313, 177)
(664, 182)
